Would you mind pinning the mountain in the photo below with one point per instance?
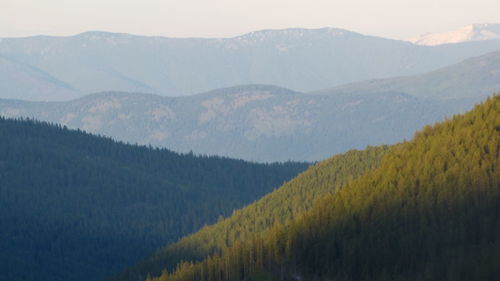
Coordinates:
(469, 33)
(280, 206)
(473, 79)
(429, 211)
(253, 122)
(299, 59)
(79, 207)
(36, 84)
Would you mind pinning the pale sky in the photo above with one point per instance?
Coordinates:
(398, 19)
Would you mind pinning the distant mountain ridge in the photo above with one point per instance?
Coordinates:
(269, 123)
(299, 59)
(253, 122)
(469, 33)
(473, 78)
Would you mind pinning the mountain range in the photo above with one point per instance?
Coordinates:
(131, 182)
(255, 122)
(45, 68)
(269, 123)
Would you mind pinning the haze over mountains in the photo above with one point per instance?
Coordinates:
(473, 78)
(268, 123)
(262, 123)
(75, 206)
(46, 68)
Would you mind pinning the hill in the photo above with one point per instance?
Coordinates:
(429, 211)
(472, 79)
(299, 59)
(252, 122)
(79, 207)
(280, 206)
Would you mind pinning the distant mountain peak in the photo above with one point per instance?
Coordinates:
(472, 32)
(255, 36)
(249, 89)
(281, 35)
(293, 33)
(103, 35)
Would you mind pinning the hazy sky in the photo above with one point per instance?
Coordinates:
(397, 19)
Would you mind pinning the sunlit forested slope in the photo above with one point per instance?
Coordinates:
(74, 206)
(280, 206)
(429, 211)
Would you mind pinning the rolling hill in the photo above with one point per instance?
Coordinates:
(80, 207)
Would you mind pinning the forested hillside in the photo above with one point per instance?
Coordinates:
(79, 207)
(430, 211)
(279, 206)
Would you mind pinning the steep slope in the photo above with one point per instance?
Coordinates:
(300, 59)
(35, 85)
(429, 211)
(280, 206)
(79, 207)
(253, 122)
(473, 78)
(472, 32)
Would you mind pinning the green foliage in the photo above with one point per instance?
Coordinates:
(430, 211)
(79, 207)
(280, 206)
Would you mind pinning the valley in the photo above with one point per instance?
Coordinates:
(302, 154)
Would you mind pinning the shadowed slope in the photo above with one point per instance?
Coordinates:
(280, 206)
(430, 211)
(74, 206)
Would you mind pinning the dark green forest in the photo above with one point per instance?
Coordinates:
(279, 206)
(80, 207)
(429, 211)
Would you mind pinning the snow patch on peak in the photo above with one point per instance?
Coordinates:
(275, 36)
(472, 32)
(111, 38)
(292, 33)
